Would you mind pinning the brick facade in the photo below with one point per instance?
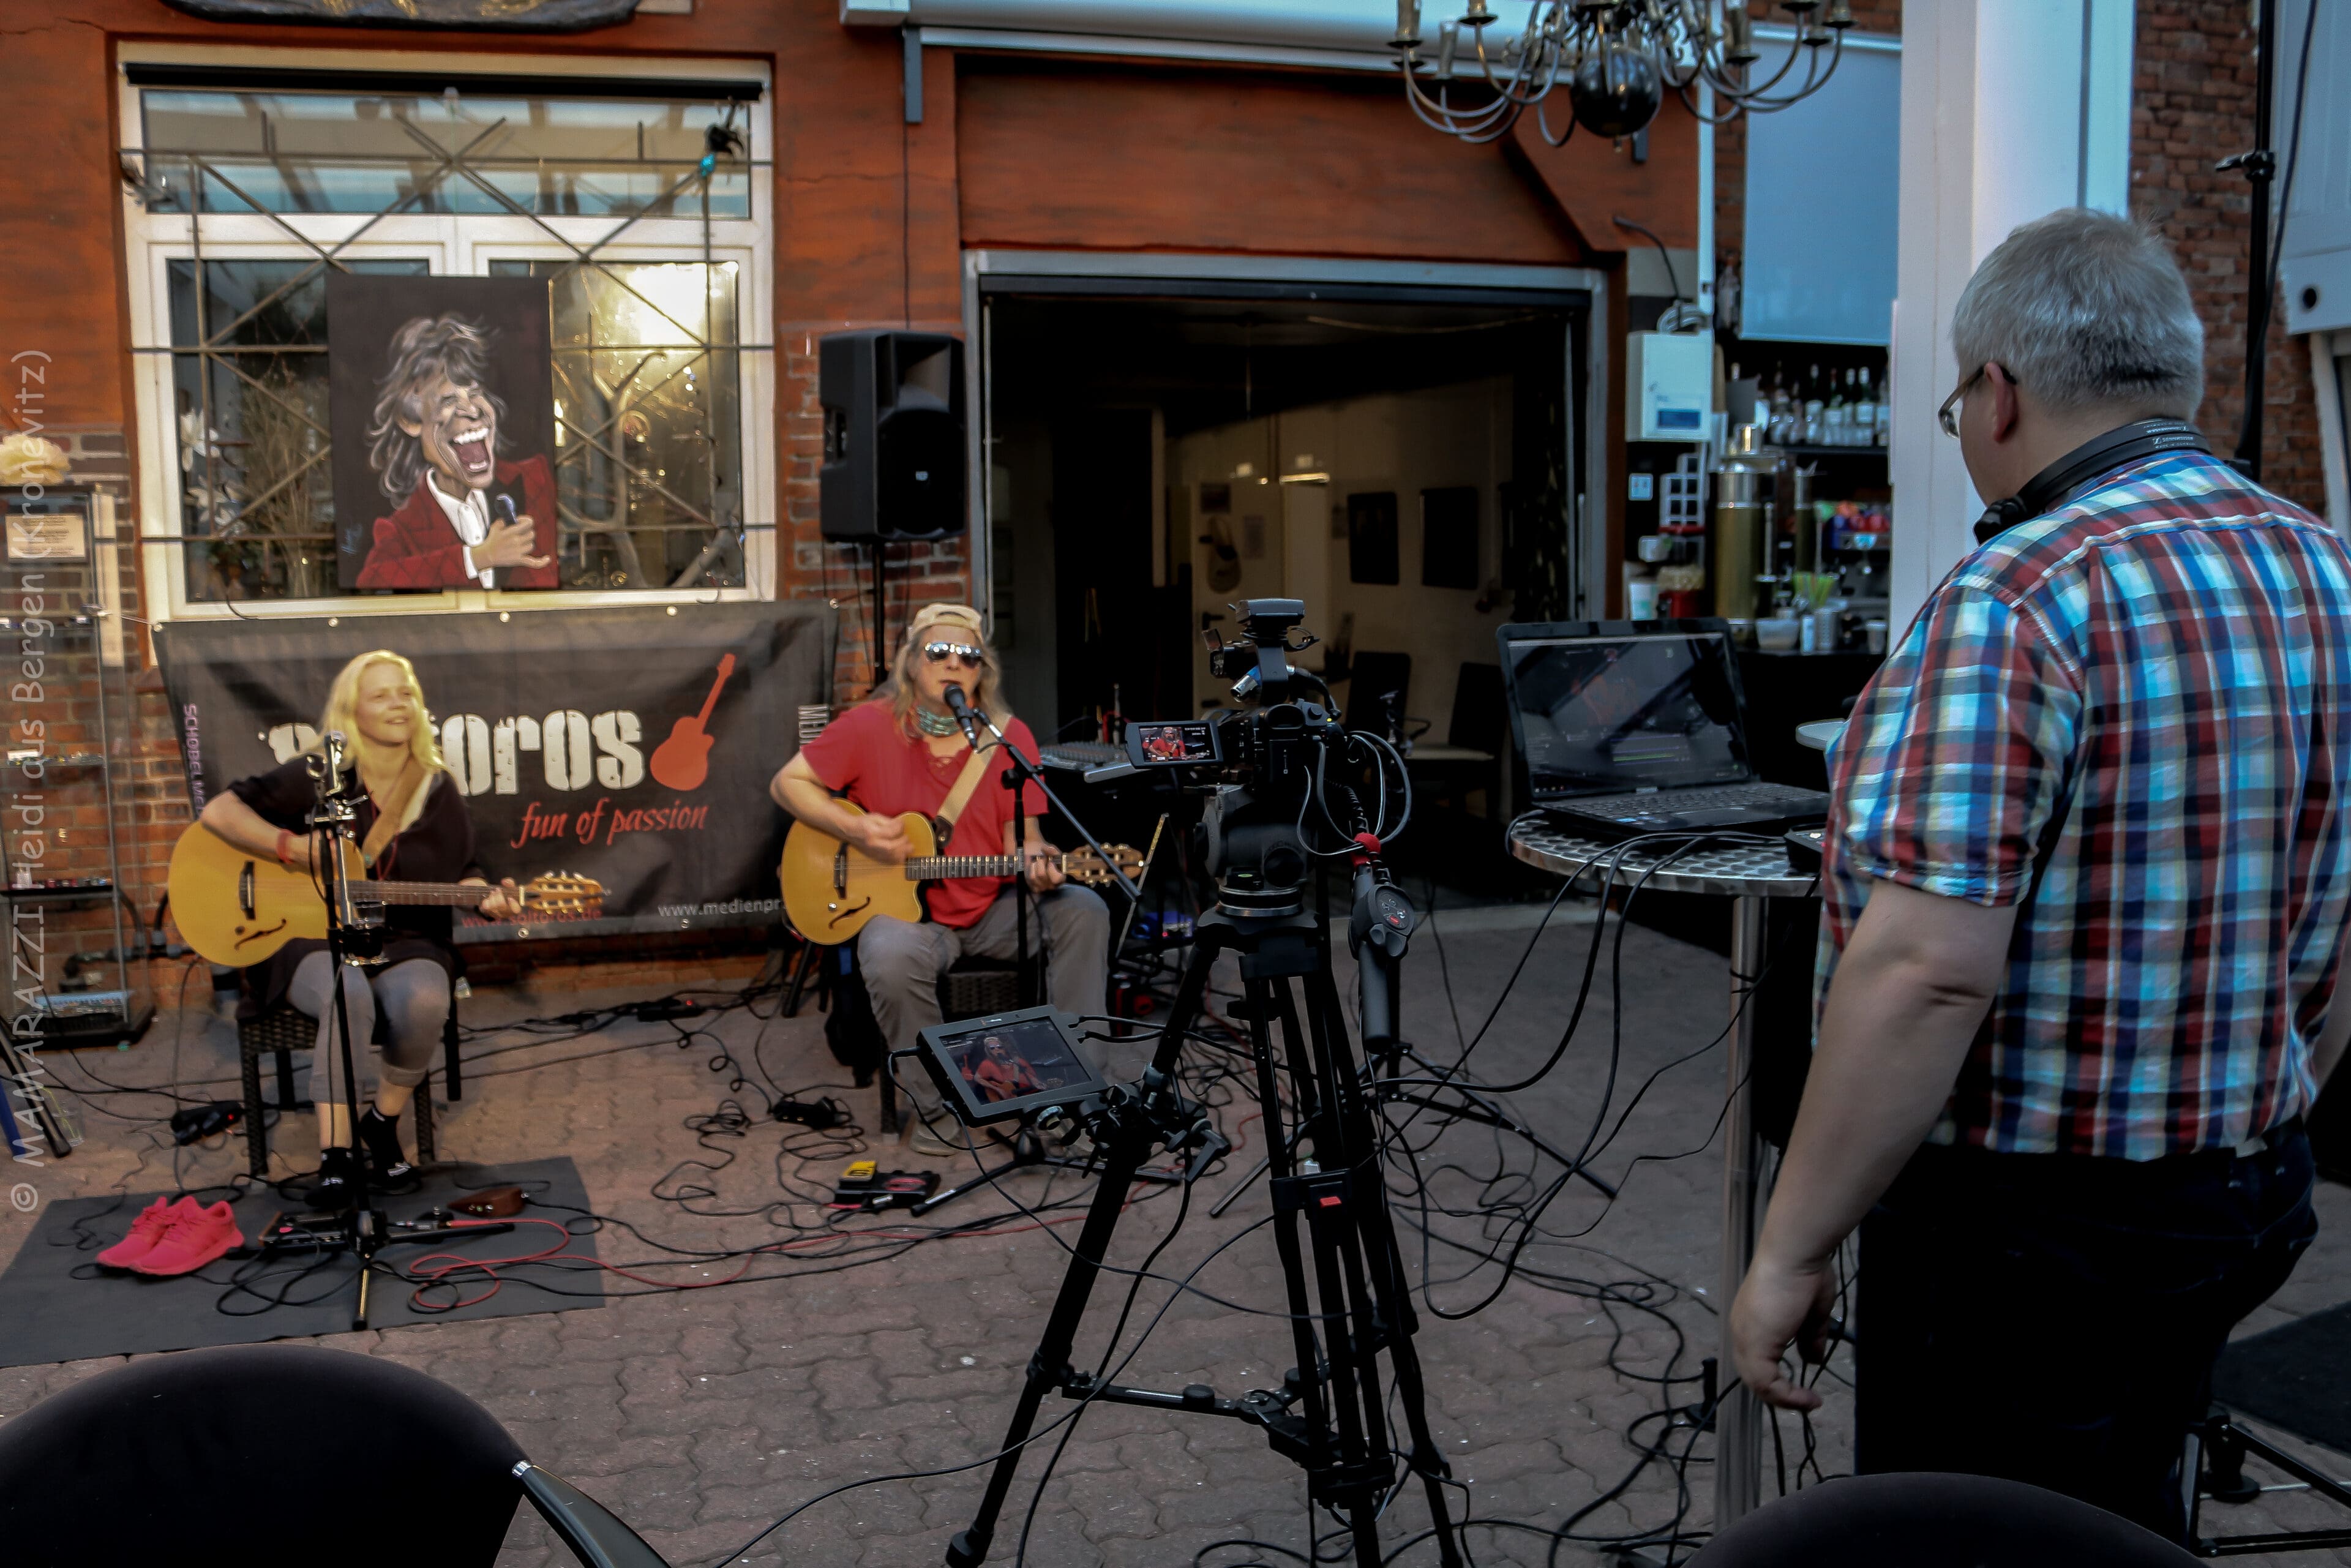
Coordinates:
(2192, 105)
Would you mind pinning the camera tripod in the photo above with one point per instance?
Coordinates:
(1346, 1295)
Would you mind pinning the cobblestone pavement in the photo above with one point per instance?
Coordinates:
(702, 1415)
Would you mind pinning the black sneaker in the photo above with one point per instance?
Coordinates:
(379, 1136)
(336, 1188)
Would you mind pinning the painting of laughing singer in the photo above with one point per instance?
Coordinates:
(441, 404)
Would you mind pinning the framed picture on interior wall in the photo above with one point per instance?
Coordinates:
(441, 402)
(1372, 554)
(1449, 537)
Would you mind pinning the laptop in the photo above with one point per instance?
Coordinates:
(1637, 727)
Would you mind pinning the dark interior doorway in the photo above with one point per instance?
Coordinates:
(1407, 462)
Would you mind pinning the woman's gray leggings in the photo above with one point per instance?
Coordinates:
(415, 997)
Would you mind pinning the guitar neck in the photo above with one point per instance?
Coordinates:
(928, 868)
(456, 893)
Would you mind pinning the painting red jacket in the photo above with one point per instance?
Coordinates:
(417, 548)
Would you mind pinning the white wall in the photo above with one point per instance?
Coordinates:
(2010, 109)
(1406, 443)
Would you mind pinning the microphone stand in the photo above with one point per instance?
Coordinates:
(351, 943)
(1019, 773)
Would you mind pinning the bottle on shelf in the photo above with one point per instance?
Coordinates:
(1815, 412)
(1834, 417)
(1865, 418)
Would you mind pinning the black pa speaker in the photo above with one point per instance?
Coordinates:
(893, 446)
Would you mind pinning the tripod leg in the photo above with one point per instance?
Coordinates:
(1281, 1150)
(1129, 1146)
(1391, 1293)
(1362, 1470)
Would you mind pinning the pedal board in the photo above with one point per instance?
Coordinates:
(319, 1232)
(866, 1189)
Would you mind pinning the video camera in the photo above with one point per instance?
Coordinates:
(1259, 764)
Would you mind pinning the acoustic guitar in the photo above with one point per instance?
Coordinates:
(831, 887)
(236, 908)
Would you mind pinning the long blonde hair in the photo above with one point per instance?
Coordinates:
(988, 691)
(343, 708)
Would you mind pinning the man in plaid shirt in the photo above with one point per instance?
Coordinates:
(2084, 896)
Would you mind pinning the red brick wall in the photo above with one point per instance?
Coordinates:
(872, 217)
(2192, 106)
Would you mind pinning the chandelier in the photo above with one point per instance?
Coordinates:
(1616, 59)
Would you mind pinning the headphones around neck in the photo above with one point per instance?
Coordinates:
(2091, 460)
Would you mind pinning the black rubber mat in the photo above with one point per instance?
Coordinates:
(60, 1305)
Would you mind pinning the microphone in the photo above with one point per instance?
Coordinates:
(334, 746)
(963, 714)
(505, 507)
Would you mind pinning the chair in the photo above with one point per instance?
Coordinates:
(1379, 688)
(186, 1457)
(974, 988)
(282, 1031)
(1930, 1520)
(1482, 716)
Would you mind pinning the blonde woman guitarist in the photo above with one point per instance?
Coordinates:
(413, 827)
(902, 751)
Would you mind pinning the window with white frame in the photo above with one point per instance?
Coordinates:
(636, 193)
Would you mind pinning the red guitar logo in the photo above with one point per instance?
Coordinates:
(682, 761)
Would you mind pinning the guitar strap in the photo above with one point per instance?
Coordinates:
(391, 816)
(965, 783)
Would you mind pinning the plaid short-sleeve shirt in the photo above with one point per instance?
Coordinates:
(2139, 703)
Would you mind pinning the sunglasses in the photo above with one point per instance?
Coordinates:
(940, 653)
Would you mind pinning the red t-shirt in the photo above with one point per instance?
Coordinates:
(867, 756)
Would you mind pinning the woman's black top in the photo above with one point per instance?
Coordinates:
(437, 847)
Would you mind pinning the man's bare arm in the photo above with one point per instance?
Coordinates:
(798, 789)
(1909, 994)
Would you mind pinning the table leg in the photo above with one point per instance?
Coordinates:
(1738, 1419)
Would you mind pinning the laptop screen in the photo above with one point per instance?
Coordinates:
(1605, 714)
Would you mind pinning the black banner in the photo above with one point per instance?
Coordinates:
(578, 736)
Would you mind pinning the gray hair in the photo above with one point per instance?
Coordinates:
(2086, 310)
(423, 348)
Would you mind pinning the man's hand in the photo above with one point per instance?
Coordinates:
(509, 544)
(883, 838)
(1779, 1306)
(504, 902)
(1045, 870)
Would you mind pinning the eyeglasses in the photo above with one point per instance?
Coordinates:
(940, 653)
(1947, 416)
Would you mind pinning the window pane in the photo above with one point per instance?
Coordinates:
(346, 153)
(648, 427)
(261, 484)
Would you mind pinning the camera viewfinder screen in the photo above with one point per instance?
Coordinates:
(1598, 715)
(1189, 741)
(1014, 1059)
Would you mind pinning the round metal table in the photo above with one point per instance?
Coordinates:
(1746, 875)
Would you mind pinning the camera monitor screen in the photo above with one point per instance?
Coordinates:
(1172, 744)
(993, 1069)
(1604, 713)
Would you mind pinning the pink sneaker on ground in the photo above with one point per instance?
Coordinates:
(196, 1240)
(154, 1222)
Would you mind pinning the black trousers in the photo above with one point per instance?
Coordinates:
(2054, 1319)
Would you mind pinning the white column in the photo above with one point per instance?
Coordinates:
(2010, 109)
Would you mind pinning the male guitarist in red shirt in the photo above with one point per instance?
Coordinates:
(902, 751)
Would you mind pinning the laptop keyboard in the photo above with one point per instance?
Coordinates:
(1676, 801)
